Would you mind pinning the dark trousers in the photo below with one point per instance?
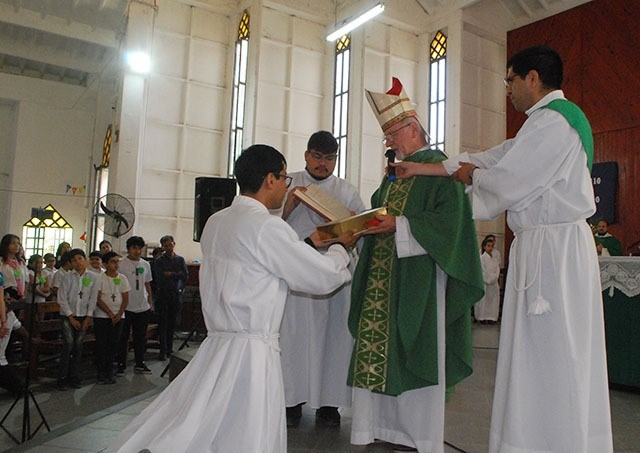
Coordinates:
(168, 307)
(107, 340)
(138, 322)
(72, 341)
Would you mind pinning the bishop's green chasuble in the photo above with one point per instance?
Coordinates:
(393, 301)
(613, 245)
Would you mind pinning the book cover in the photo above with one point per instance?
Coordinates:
(357, 223)
(323, 203)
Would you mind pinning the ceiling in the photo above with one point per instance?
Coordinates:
(525, 9)
(73, 41)
(68, 41)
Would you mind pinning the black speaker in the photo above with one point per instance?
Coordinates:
(212, 195)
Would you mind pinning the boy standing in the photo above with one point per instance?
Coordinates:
(138, 271)
(77, 296)
(113, 298)
(95, 262)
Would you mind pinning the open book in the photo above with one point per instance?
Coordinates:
(357, 223)
(323, 203)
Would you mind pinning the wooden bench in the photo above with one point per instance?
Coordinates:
(46, 334)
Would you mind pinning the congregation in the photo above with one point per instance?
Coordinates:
(105, 295)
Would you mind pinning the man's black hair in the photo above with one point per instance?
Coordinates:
(135, 241)
(74, 252)
(544, 60)
(65, 258)
(166, 238)
(256, 162)
(324, 142)
(95, 253)
(107, 256)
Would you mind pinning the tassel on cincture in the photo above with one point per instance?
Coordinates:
(539, 307)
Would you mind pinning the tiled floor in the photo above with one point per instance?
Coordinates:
(466, 428)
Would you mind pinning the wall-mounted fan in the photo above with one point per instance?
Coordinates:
(117, 212)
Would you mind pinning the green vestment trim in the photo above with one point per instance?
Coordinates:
(393, 301)
(577, 120)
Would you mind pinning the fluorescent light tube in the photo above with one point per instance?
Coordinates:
(373, 12)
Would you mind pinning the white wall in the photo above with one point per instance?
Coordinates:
(174, 120)
(294, 84)
(483, 117)
(8, 122)
(51, 141)
(53, 149)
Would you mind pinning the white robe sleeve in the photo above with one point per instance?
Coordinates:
(63, 295)
(297, 263)
(527, 170)
(485, 159)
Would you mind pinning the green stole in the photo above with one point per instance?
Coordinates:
(394, 301)
(577, 120)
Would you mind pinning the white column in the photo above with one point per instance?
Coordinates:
(124, 175)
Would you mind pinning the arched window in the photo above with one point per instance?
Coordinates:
(341, 101)
(101, 186)
(239, 91)
(438, 58)
(45, 231)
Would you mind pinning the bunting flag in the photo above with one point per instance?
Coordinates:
(84, 237)
(79, 190)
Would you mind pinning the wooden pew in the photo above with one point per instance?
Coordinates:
(46, 334)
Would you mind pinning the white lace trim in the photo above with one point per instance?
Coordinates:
(621, 273)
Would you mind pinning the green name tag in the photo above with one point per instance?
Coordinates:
(86, 281)
(116, 281)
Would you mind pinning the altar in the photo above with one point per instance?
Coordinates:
(620, 276)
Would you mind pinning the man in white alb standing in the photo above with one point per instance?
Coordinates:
(316, 343)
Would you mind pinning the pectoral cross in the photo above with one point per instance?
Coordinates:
(80, 294)
(137, 284)
(113, 297)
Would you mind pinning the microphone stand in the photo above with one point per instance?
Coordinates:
(27, 434)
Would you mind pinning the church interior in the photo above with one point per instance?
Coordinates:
(139, 98)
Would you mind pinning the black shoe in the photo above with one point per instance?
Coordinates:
(294, 414)
(101, 380)
(62, 384)
(74, 382)
(141, 369)
(328, 416)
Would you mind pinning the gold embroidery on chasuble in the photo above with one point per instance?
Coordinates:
(374, 329)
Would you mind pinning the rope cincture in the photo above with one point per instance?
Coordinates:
(539, 305)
